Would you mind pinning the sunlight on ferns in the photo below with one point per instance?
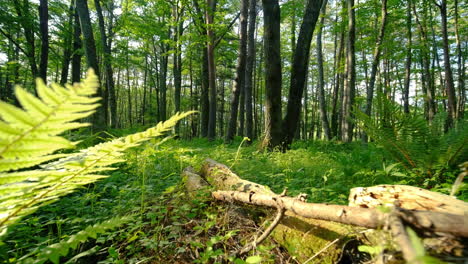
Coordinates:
(29, 137)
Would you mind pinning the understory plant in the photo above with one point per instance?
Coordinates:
(30, 138)
(424, 148)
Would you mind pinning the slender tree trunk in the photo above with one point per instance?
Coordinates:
(449, 85)
(211, 9)
(162, 83)
(339, 66)
(22, 10)
(375, 62)
(321, 83)
(240, 73)
(349, 89)
(204, 98)
(129, 96)
(145, 88)
(408, 58)
(249, 70)
(177, 68)
(110, 86)
(461, 67)
(299, 70)
(44, 29)
(99, 120)
(273, 78)
(67, 45)
(76, 58)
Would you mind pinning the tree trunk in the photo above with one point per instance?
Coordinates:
(321, 82)
(44, 29)
(110, 85)
(76, 58)
(240, 73)
(449, 85)
(339, 66)
(349, 89)
(273, 79)
(204, 97)
(22, 11)
(249, 70)
(375, 62)
(461, 67)
(211, 9)
(99, 121)
(299, 70)
(177, 68)
(67, 46)
(408, 59)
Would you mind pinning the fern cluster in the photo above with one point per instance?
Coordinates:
(61, 249)
(415, 143)
(30, 137)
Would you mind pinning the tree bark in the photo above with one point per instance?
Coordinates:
(99, 118)
(408, 58)
(273, 78)
(299, 71)
(177, 69)
(449, 85)
(110, 85)
(44, 29)
(249, 70)
(239, 81)
(67, 43)
(321, 82)
(22, 10)
(76, 58)
(375, 62)
(461, 67)
(211, 9)
(349, 89)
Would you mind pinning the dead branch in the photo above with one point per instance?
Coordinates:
(365, 217)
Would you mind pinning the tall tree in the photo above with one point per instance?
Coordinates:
(461, 65)
(77, 45)
(210, 11)
(99, 121)
(44, 29)
(408, 58)
(249, 70)
(449, 85)
(240, 73)
(349, 89)
(321, 82)
(67, 43)
(110, 96)
(177, 69)
(273, 78)
(299, 70)
(375, 61)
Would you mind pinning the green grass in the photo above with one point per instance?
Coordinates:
(148, 185)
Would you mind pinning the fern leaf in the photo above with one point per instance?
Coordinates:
(32, 132)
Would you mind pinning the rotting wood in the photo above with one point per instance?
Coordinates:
(364, 217)
(408, 197)
(313, 235)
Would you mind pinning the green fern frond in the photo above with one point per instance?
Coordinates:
(29, 135)
(32, 139)
(55, 251)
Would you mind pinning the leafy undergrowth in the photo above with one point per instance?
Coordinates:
(169, 227)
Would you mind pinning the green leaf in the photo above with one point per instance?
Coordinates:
(253, 259)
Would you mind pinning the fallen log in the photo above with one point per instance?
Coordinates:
(309, 225)
(363, 217)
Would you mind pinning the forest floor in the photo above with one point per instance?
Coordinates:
(169, 227)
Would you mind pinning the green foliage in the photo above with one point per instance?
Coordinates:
(61, 249)
(422, 148)
(30, 136)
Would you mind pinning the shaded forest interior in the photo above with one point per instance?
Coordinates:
(318, 96)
